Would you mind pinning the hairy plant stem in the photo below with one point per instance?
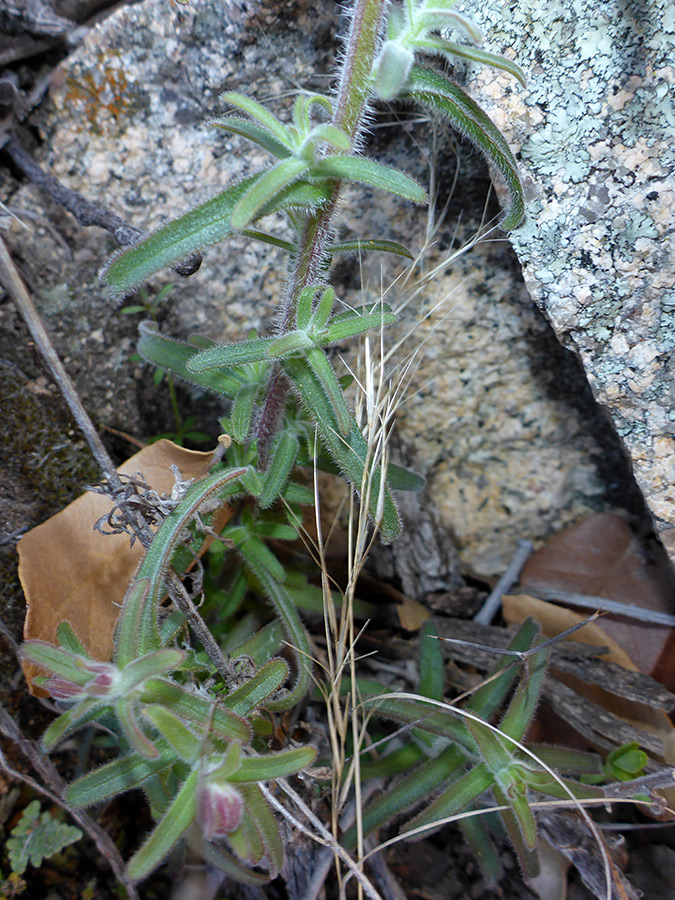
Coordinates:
(360, 50)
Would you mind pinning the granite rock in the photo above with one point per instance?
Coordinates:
(498, 415)
(594, 130)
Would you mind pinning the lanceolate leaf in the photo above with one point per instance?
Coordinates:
(236, 354)
(266, 825)
(407, 793)
(114, 778)
(174, 823)
(175, 355)
(258, 688)
(281, 462)
(368, 171)
(443, 96)
(205, 225)
(476, 55)
(262, 114)
(372, 245)
(265, 189)
(188, 705)
(356, 324)
(259, 135)
(350, 452)
(454, 798)
(273, 765)
(197, 229)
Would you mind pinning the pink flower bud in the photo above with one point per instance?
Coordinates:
(219, 809)
(60, 689)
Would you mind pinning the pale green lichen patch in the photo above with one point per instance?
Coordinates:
(595, 131)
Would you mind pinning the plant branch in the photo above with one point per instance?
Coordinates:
(360, 50)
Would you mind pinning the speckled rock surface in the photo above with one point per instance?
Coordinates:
(498, 417)
(595, 132)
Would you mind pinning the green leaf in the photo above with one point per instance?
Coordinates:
(296, 636)
(152, 665)
(323, 308)
(236, 354)
(206, 224)
(329, 134)
(273, 765)
(175, 821)
(259, 135)
(453, 799)
(303, 106)
(483, 57)
(141, 743)
(69, 640)
(370, 245)
(115, 778)
(281, 462)
(432, 667)
(217, 856)
(266, 825)
(270, 239)
(258, 111)
(358, 323)
(406, 793)
(196, 709)
(175, 356)
(185, 742)
(295, 343)
(136, 611)
(368, 171)
(318, 361)
(349, 452)
(483, 848)
(81, 714)
(488, 698)
(401, 478)
(527, 856)
(242, 411)
(264, 190)
(58, 661)
(526, 698)
(495, 755)
(303, 307)
(36, 837)
(443, 96)
(626, 762)
(268, 679)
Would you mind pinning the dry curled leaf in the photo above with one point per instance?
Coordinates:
(72, 573)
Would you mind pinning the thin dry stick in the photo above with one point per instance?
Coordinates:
(11, 281)
(489, 609)
(48, 773)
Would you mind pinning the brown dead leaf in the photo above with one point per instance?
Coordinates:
(600, 557)
(412, 614)
(71, 573)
